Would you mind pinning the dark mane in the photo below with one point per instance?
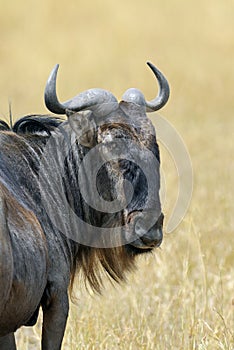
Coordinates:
(33, 124)
(4, 126)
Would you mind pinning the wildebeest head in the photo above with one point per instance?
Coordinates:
(124, 150)
(122, 183)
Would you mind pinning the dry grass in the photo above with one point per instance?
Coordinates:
(182, 297)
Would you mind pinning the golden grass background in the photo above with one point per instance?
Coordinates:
(182, 296)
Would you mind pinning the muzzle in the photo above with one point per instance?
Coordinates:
(148, 231)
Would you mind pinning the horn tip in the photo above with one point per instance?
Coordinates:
(149, 64)
(56, 67)
(152, 67)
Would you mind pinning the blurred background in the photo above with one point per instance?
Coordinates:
(181, 297)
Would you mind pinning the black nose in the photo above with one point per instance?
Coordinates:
(153, 238)
(150, 235)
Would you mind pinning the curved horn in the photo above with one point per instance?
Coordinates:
(136, 96)
(92, 99)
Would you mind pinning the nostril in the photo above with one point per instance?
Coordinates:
(153, 238)
(148, 241)
(149, 230)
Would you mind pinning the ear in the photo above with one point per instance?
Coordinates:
(84, 126)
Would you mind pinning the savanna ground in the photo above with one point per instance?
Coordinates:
(182, 296)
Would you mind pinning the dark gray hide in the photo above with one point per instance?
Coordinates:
(46, 223)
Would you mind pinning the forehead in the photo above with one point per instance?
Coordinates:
(128, 122)
(139, 131)
(112, 130)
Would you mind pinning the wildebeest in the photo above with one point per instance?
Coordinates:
(48, 230)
